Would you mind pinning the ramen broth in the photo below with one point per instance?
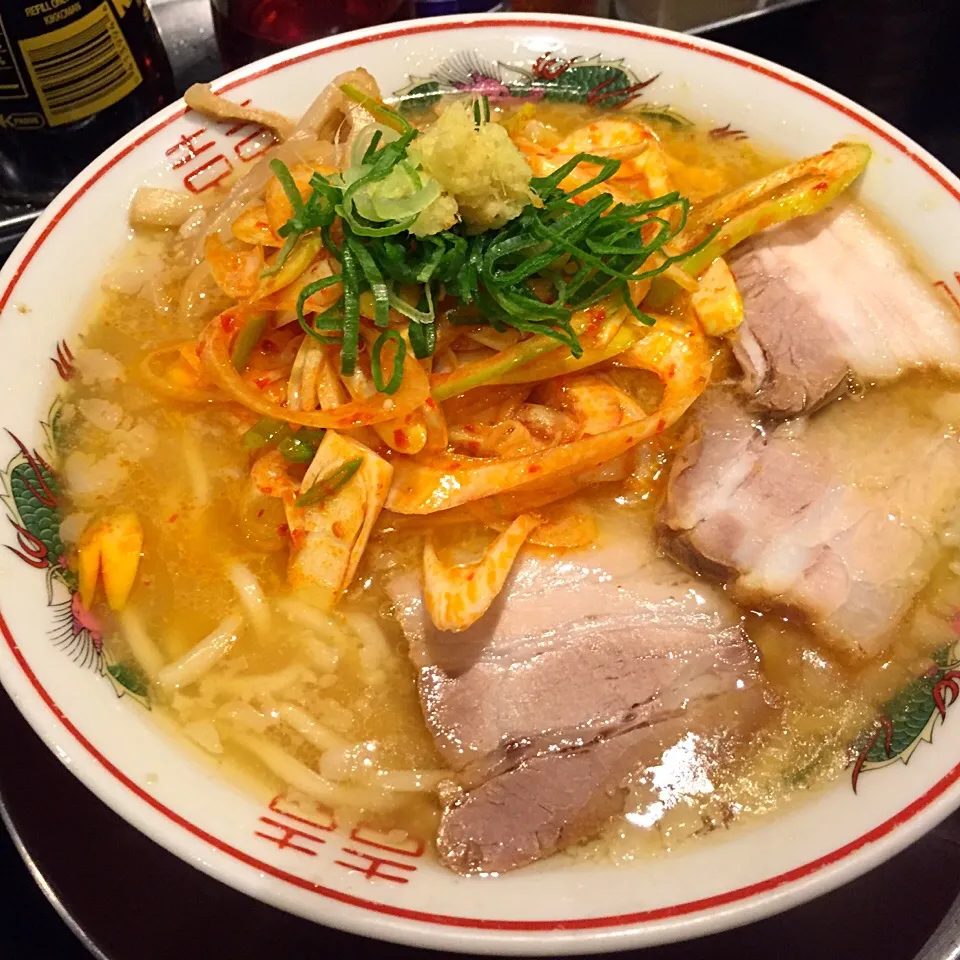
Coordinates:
(182, 469)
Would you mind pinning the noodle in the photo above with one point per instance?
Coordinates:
(318, 621)
(202, 658)
(144, 650)
(250, 687)
(251, 597)
(314, 732)
(301, 777)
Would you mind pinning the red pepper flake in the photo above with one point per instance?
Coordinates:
(473, 448)
(469, 428)
(173, 518)
(820, 187)
(430, 403)
(228, 322)
(268, 346)
(671, 372)
(338, 530)
(260, 514)
(597, 315)
(470, 576)
(283, 530)
(533, 468)
(661, 426)
(399, 439)
(262, 382)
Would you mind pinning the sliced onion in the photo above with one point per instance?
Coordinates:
(160, 384)
(215, 354)
(675, 351)
(322, 118)
(399, 208)
(365, 137)
(250, 187)
(401, 195)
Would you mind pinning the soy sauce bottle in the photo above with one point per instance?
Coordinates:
(75, 75)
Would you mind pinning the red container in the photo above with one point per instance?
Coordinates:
(249, 29)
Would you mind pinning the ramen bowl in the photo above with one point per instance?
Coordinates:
(297, 857)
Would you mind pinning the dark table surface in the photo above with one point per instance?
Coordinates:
(133, 901)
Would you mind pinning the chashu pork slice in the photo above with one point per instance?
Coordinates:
(836, 517)
(827, 300)
(582, 671)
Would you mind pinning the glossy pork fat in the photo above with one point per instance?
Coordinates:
(582, 670)
(831, 517)
(828, 299)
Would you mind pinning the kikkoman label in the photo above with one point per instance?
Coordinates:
(62, 61)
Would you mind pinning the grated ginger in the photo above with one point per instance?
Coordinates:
(481, 169)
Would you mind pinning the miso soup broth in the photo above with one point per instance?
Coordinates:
(269, 633)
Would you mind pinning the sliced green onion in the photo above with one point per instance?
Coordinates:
(372, 148)
(433, 260)
(401, 208)
(351, 313)
(635, 311)
(396, 377)
(316, 212)
(386, 159)
(305, 294)
(369, 140)
(411, 312)
(369, 228)
(398, 196)
(545, 186)
(327, 236)
(247, 340)
(377, 109)
(481, 111)
(423, 339)
(285, 251)
(330, 484)
(351, 175)
(374, 278)
(282, 173)
(300, 447)
(264, 433)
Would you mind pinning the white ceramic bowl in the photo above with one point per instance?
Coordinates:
(58, 676)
